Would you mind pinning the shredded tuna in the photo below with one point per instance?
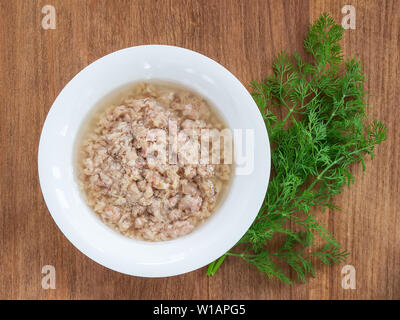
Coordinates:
(127, 177)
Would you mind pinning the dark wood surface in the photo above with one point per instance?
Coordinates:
(243, 36)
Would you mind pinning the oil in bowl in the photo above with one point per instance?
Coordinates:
(154, 160)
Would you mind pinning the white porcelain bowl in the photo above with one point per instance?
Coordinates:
(66, 203)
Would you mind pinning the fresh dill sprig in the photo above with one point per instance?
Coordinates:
(322, 133)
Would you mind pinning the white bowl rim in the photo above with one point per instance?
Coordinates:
(181, 264)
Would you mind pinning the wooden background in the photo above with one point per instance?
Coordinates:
(243, 36)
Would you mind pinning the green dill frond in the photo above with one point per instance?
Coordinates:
(324, 130)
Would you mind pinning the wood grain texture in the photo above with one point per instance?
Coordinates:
(243, 36)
